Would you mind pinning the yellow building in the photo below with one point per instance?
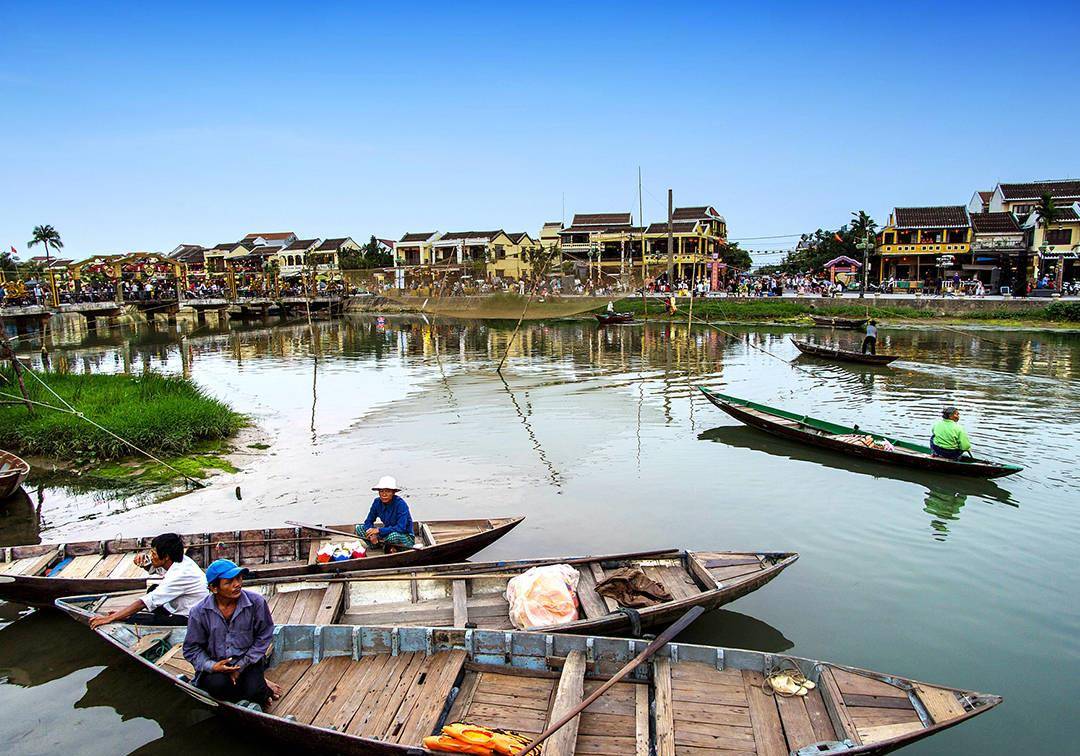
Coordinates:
(1057, 246)
(915, 238)
(414, 249)
(477, 253)
(1022, 199)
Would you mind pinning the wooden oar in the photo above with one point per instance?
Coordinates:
(321, 529)
(662, 640)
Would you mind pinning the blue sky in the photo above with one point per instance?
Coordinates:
(140, 127)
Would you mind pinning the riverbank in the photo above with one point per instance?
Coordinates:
(797, 311)
(168, 416)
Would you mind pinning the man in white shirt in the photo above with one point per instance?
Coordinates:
(183, 587)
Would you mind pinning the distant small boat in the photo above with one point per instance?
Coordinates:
(848, 323)
(843, 354)
(848, 441)
(379, 691)
(38, 574)
(615, 318)
(13, 472)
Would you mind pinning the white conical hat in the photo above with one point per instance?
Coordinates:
(387, 481)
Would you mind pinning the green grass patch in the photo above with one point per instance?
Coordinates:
(779, 310)
(168, 416)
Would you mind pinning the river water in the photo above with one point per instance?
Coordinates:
(600, 438)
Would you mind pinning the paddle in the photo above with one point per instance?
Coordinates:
(662, 640)
(321, 529)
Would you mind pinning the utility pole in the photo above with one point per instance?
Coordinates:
(865, 245)
(670, 243)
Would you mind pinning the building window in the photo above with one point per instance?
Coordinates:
(957, 237)
(1059, 237)
(889, 236)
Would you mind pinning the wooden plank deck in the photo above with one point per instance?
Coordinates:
(568, 694)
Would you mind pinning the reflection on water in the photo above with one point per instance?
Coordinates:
(601, 439)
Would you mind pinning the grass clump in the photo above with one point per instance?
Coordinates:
(166, 415)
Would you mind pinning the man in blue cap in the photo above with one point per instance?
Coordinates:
(228, 635)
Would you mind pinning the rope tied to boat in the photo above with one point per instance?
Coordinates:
(786, 680)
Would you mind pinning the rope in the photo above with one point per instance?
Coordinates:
(100, 427)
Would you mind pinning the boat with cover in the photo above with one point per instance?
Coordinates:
(844, 355)
(852, 441)
(473, 594)
(38, 574)
(13, 471)
(614, 318)
(848, 323)
(382, 690)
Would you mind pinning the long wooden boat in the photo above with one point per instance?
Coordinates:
(847, 440)
(614, 318)
(844, 355)
(848, 323)
(473, 594)
(13, 472)
(381, 690)
(39, 574)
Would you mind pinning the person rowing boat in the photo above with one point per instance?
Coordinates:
(396, 532)
(948, 439)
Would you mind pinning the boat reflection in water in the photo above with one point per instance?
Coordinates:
(737, 630)
(945, 494)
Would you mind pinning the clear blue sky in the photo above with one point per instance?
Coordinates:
(141, 127)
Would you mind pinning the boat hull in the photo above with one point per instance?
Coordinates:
(42, 591)
(615, 319)
(850, 324)
(12, 478)
(976, 469)
(843, 355)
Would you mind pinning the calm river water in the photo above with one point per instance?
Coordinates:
(599, 437)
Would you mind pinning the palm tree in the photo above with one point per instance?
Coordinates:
(862, 224)
(46, 235)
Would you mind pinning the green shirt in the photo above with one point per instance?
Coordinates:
(949, 435)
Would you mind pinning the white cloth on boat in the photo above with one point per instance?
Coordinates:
(183, 587)
(543, 596)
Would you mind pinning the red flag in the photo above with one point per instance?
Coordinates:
(14, 251)
(837, 237)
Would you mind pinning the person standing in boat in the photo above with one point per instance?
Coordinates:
(228, 635)
(183, 587)
(949, 439)
(396, 532)
(869, 343)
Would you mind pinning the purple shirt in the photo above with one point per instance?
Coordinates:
(244, 638)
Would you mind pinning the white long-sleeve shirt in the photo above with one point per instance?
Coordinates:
(183, 587)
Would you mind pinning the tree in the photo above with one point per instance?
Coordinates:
(46, 235)
(816, 249)
(735, 256)
(371, 255)
(862, 224)
(540, 260)
(8, 261)
(1048, 211)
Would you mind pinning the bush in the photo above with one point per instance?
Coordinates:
(1069, 311)
(166, 415)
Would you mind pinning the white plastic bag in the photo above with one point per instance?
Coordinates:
(543, 596)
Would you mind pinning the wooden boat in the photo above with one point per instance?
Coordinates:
(381, 690)
(13, 472)
(847, 440)
(843, 355)
(614, 318)
(29, 574)
(473, 594)
(848, 323)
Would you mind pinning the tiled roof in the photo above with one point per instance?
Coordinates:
(694, 213)
(1063, 189)
(189, 253)
(601, 219)
(225, 246)
(517, 236)
(985, 196)
(329, 245)
(1066, 214)
(418, 237)
(994, 223)
(456, 235)
(264, 251)
(389, 242)
(300, 244)
(276, 236)
(946, 216)
(680, 227)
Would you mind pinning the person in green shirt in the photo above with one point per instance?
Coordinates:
(949, 439)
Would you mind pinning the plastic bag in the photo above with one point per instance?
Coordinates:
(543, 596)
(338, 552)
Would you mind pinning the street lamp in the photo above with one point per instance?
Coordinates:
(865, 245)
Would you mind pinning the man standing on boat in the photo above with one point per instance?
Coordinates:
(869, 344)
(949, 439)
(396, 532)
(228, 635)
(184, 586)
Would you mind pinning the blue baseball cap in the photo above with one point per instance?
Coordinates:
(224, 568)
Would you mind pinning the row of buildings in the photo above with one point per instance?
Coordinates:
(602, 247)
(998, 238)
(282, 251)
